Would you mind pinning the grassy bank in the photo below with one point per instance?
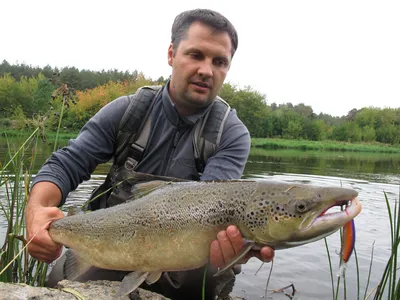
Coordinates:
(49, 135)
(323, 145)
(258, 143)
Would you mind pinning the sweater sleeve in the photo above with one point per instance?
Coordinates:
(231, 155)
(70, 165)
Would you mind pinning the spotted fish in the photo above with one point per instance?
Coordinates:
(171, 224)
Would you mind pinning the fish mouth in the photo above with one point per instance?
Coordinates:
(349, 210)
(327, 222)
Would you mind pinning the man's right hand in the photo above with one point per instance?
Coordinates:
(39, 212)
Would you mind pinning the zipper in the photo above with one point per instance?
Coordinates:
(172, 148)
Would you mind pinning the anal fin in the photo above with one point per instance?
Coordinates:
(74, 266)
(134, 279)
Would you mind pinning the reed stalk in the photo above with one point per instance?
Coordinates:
(15, 178)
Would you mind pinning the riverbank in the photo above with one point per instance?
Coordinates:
(323, 145)
(265, 143)
(13, 133)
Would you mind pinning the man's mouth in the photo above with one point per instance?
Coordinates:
(202, 84)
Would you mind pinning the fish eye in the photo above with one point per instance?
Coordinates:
(301, 206)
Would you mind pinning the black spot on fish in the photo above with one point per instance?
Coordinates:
(263, 193)
(276, 218)
(219, 203)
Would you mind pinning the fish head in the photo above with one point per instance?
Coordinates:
(282, 215)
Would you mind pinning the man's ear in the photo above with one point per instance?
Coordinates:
(170, 54)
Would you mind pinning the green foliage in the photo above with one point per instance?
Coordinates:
(293, 130)
(16, 265)
(29, 88)
(250, 105)
(42, 95)
(368, 134)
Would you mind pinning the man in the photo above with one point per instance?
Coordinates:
(200, 54)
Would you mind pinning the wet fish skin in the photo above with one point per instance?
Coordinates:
(171, 228)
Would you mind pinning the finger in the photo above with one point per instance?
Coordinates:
(216, 258)
(228, 252)
(267, 254)
(235, 238)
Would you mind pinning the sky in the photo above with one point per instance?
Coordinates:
(331, 55)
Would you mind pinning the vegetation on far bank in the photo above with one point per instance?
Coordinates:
(25, 92)
(323, 145)
(264, 143)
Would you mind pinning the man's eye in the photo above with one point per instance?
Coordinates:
(194, 55)
(221, 62)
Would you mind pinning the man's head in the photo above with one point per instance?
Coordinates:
(202, 45)
(207, 17)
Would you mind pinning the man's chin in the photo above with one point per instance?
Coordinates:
(200, 100)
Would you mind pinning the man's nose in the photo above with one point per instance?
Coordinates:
(205, 69)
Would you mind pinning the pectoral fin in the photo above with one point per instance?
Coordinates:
(134, 279)
(245, 249)
(74, 266)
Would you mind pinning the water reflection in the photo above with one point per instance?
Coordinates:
(376, 167)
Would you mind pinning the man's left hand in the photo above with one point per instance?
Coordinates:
(229, 242)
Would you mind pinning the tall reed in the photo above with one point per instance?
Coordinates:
(15, 178)
(389, 285)
(16, 265)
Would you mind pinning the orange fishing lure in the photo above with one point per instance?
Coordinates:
(348, 240)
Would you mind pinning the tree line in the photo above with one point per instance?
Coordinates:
(26, 99)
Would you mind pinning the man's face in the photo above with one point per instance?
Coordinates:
(199, 67)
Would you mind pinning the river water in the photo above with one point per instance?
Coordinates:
(305, 267)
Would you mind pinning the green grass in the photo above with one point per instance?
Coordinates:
(323, 145)
(49, 134)
(16, 265)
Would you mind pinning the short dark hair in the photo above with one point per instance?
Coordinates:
(209, 17)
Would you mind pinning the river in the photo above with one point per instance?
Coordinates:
(305, 267)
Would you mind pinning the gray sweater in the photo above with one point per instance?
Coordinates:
(169, 150)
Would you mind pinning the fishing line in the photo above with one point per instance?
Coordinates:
(23, 248)
(269, 277)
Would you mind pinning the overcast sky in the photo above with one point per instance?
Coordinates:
(331, 55)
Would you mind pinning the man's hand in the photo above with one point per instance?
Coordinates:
(39, 213)
(228, 244)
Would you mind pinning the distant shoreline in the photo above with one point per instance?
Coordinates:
(265, 143)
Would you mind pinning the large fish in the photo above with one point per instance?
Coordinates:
(171, 224)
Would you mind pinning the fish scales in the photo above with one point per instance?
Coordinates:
(171, 228)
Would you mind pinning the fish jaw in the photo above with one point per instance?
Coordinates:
(325, 224)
